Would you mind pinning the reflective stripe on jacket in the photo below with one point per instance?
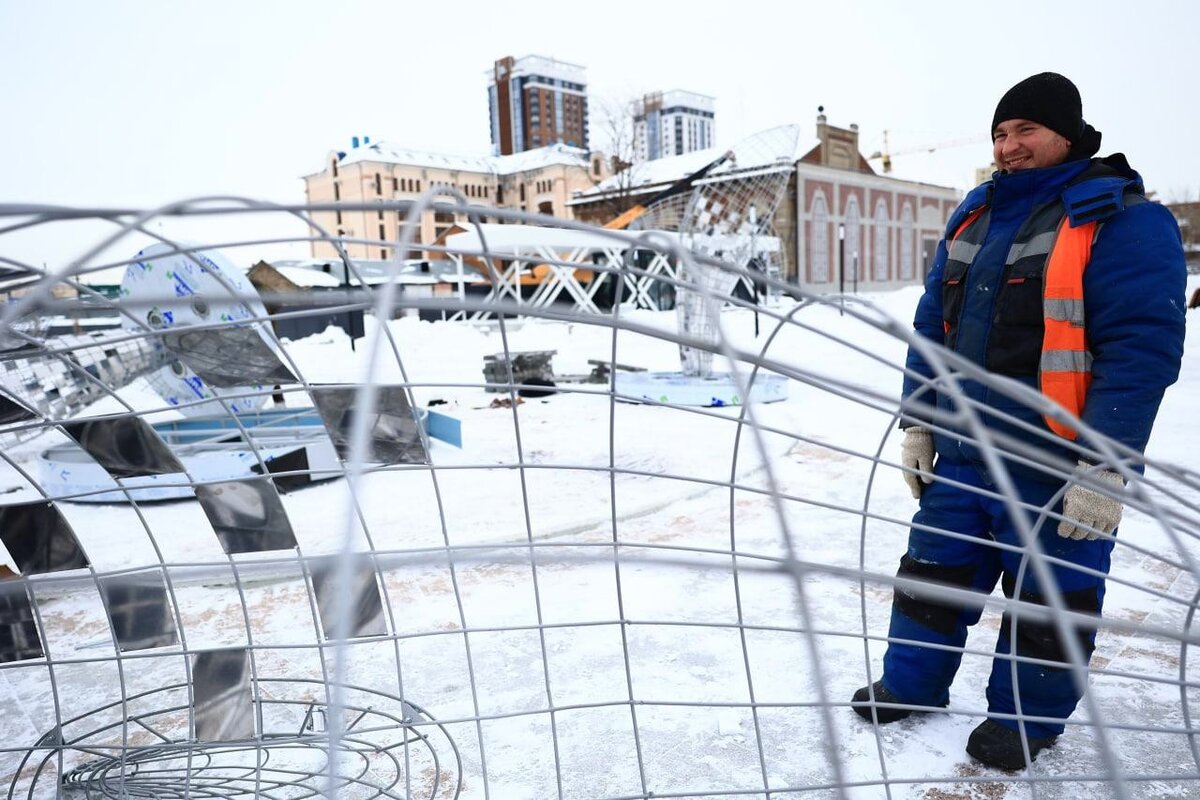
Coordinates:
(1065, 369)
(1050, 255)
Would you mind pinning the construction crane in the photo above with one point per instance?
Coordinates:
(885, 155)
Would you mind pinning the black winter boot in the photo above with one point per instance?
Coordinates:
(998, 746)
(862, 705)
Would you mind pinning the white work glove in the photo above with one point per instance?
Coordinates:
(1087, 507)
(916, 452)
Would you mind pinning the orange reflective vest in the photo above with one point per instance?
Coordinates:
(1065, 366)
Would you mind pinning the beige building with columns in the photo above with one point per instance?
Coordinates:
(539, 181)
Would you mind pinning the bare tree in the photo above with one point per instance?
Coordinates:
(1179, 195)
(1184, 204)
(623, 168)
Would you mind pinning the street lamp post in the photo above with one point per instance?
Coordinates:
(842, 267)
(750, 265)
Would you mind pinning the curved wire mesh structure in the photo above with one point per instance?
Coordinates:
(243, 565)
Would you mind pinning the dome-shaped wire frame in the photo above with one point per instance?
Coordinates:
(442, 574)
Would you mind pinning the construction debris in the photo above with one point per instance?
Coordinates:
(601, 370)
(532, 367)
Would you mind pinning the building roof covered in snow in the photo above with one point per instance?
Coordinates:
(775, 147)
(555, 154)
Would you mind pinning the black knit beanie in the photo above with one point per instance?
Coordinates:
(1052, 100)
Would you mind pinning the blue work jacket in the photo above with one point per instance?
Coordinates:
(1133, 305)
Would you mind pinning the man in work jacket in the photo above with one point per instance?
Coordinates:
(1057, 273)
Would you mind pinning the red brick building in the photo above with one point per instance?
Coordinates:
(891, 227)
(1188, 216)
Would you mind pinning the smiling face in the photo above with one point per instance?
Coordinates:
(1020, 144)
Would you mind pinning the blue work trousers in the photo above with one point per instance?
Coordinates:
(921, 675)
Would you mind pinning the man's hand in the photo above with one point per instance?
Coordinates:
(1087, 507)
(916, 452)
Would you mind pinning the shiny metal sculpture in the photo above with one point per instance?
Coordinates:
(722, 218)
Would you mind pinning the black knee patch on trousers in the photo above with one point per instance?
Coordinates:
(941, 616)
(1040, 639)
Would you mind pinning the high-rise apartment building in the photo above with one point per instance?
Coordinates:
(672, 123)
(537, 101)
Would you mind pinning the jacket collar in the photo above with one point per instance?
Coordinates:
(1036, 185)
(1091, 190)
(1102, 190)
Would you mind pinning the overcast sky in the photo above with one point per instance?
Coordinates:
(122, 103)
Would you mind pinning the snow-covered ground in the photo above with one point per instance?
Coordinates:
(573, 667)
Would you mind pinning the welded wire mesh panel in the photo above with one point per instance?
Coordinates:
(478, 559)
(723, 215)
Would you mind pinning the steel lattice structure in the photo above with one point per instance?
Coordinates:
(596, 595)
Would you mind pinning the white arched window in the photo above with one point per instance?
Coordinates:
(880, 254)
(819, 255)
(853, 240)
(906, 242)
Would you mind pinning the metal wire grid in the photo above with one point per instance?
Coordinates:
(746, 697)
(723, 216)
